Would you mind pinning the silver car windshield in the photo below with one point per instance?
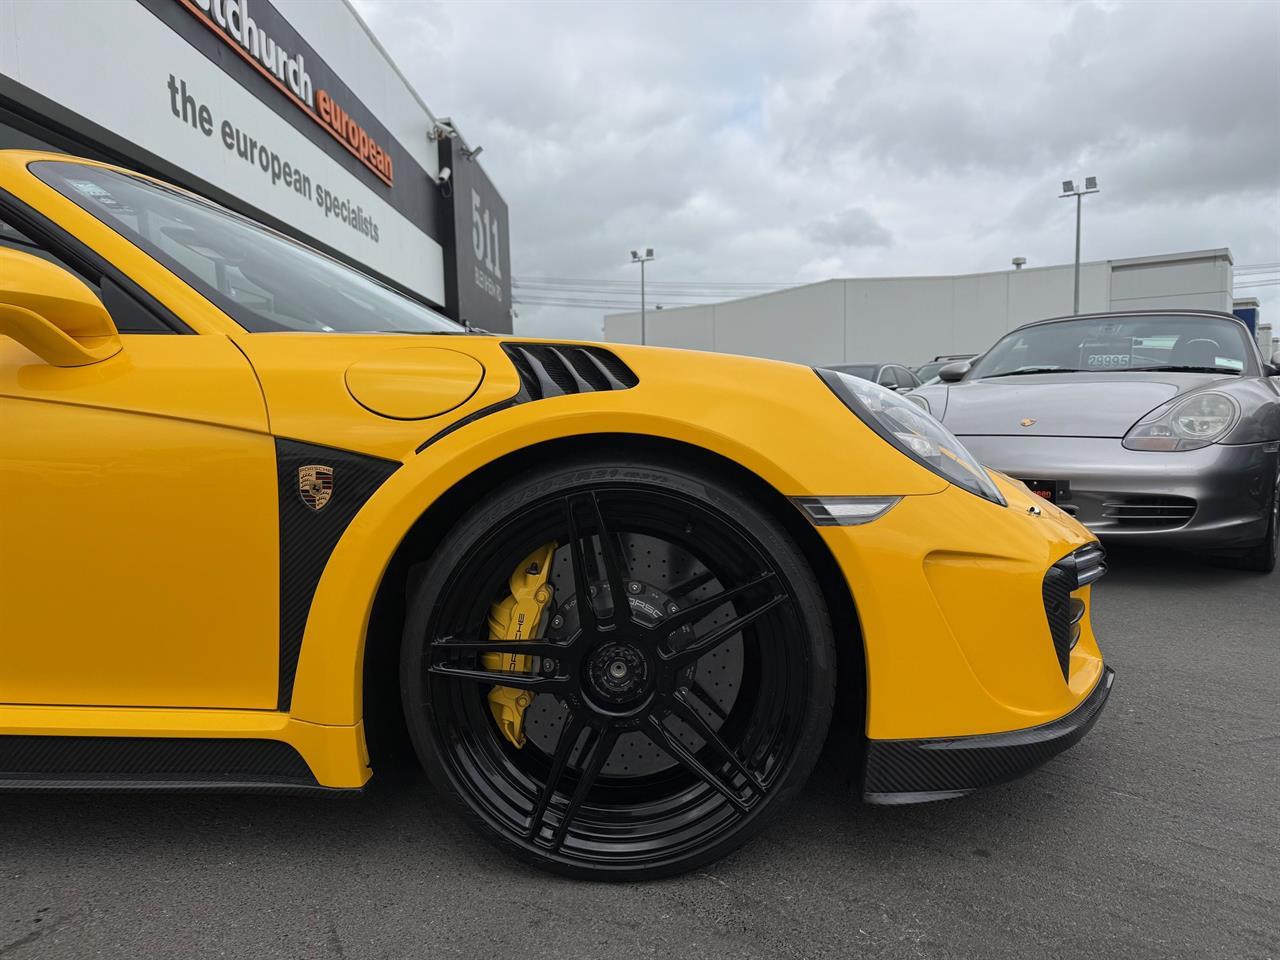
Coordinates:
(262, 279)
(1094, 344)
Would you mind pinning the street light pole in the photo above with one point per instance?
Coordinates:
(637, 257)
(1069, 189)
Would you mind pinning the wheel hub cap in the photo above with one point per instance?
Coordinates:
(617, 674)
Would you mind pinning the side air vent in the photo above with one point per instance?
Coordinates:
(552, 370)
(1063, 610)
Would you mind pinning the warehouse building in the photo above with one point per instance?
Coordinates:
(912, 319)
(288, 111)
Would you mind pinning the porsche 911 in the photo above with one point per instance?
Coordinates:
(260, 512)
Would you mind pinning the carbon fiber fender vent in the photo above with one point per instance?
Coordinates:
(1061, 609)
(552, 370)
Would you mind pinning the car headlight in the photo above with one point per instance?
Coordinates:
(913, 431)
(921, 402)
(1184, 424)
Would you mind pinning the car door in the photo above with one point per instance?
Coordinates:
(138, 535)
(906, 379)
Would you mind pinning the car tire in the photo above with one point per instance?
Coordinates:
(1261, 557)
(650, 751)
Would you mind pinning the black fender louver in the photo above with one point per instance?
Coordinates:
(552, 370)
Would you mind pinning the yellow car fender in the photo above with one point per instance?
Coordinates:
(758, 437)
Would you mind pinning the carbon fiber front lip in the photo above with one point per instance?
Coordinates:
(917, 771)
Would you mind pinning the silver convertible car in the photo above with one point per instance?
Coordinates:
(1155, 427)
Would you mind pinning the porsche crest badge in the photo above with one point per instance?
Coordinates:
(1028, 421)
(315, 485)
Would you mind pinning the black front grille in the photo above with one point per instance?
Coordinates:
(1149, 511)
(552, 370)
(1063, 611)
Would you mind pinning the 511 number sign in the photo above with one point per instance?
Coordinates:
(485, 236)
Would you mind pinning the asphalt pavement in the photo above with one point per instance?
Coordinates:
(1157, 836)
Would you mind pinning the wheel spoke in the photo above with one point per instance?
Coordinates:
(610, 555)
(581, 575)
(663, 739)
(596, 754)
(709, 701)
(570, 734)
(687, 616)
(686, 712)
(705, 644)
(521, 681)
(685, 587)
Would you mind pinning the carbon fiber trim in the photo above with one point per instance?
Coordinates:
(483, 412)
(28, 762)
(1058, 584)
(1077, 569)
(914, 771)
(308, 536)
(179, 786)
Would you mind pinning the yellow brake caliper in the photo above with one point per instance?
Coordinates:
(518, 617)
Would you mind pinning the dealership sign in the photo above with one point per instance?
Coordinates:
(271, 116)
(231, 21)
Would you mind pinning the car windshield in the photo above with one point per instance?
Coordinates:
(262, 279)
(863, 371)
(930, 370)
(1119, 343)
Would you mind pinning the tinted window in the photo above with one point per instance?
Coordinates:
(262, 279)
(1120, 343)
(15, 239)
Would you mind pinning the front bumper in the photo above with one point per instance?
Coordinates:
(1213, 498)
(917, 771)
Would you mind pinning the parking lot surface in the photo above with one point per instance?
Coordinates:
(1157, 836)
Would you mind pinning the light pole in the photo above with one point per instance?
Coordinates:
(637, 257)
(1069, 189)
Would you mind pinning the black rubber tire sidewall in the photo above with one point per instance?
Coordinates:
(1261, 558)
(581, 473)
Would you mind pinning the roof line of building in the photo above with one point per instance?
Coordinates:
(1181, 257)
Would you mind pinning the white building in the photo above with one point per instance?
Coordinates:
(289, 111)
(912, 319)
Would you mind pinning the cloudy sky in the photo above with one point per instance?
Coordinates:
(791, 142)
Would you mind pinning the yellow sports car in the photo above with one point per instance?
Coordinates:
(255, 507)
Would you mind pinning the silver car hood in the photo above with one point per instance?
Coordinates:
(1059, 404)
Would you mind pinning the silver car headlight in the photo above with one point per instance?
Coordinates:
(913, 431)
(1188, 423)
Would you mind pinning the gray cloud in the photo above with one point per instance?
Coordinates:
(793, 142)
(852, 227)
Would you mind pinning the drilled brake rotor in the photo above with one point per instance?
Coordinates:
(656, 567)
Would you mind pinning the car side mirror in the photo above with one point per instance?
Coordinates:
(1275, 364)
(53, 313)
(954, 372)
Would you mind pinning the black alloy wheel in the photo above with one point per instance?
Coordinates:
(682, 677)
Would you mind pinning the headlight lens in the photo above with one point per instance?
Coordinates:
(1185, 424)
(911, 429)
